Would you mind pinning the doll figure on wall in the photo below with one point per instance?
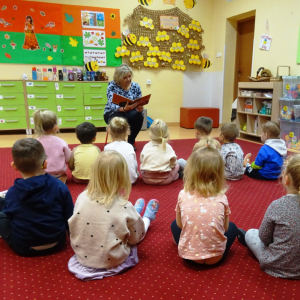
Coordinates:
(30, 42)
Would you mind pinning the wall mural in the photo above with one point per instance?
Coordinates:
(48, 33)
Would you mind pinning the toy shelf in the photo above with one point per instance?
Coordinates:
(254, 120)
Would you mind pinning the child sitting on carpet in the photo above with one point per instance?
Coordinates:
(202, 229)
(34, 219)
(158, 159)
(57, 150)
(105, 226)
(118, 128)
(269, 160)
(231, 152)
(203, 128)
(205, 141)
(84, 155)
(276, 244)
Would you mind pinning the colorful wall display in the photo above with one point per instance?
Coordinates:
(167, 39)
(48, 33)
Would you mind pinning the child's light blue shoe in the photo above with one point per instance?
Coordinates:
(139, 205)
(151, 209)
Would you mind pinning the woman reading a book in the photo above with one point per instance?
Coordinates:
(123, 86)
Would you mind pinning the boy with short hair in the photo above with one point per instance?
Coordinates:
(84, 155)
(269, 160)
(36, 209)
(203, 127)
(231, 152)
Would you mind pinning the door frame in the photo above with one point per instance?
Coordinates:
(229, 69)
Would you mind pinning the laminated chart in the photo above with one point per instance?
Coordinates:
(56, 34)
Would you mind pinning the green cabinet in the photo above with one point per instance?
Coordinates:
(12, 111)
(98, 121)
(95, 87)
(41, 100)
(69, 99)
(13, 123)
(70, 122)
(70, 111)
(69, 87)
(40, 87)
(94, 110)
(12, 99)
(94, 99)
(11, 87)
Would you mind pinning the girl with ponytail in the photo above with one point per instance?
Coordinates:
(158, 159)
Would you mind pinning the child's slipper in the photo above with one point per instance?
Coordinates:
(241, 236)
(151, 209)
(139, 205)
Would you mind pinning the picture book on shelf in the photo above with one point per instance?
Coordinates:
(121, 101)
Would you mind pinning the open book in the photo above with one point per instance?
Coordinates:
(121, 101)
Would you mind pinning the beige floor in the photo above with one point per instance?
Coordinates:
(7, 139)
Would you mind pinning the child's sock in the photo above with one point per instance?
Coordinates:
(241, 236)
(139, 205)
(151, 209)
(146, 223)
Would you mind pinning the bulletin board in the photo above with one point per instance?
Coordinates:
(56, 34)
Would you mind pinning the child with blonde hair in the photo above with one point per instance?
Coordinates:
(57, 150)
(118, 128)
(276, 243)
(158, 159)
(207, 142)
(105, 226)
(202, 229)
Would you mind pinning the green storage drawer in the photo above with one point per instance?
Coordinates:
(95, 110)
(70, 111)
(95, 87)
(94, 99)
(70, 87)
(11, 99)
(69, 99)
(12, 111)
(70, 122)
(98, 121)
(32, 109)
(13, 123)
(40, 87)
(11, 87)
(41, 100)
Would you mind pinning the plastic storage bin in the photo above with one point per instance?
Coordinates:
(286, 108)
(290, 133)
(291, 87)
(246, 93)
(297, 112)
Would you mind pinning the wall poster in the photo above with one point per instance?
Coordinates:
(56, 34)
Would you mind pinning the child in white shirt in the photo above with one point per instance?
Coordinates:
(118, 128)
(158, 160)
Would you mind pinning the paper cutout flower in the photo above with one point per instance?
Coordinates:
(144, 41)
(184, 31)
(195, 60)
(165, 56)
(112, 16)
(195, 25)
(73, 42)
(179, 65)
(162, 36)
(3, 46)
(49, 58)
(7, 36)
(193, 44)
(136, 56)
(151, 62)
(13, 44)
(176, 47)
(147, 23)
(154, 51)
(122, 51)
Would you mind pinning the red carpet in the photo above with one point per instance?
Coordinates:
(161, 273)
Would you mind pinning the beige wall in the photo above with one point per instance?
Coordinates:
(167, 86)
(283, 17)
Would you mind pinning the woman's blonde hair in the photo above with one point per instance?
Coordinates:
(205, 172)
(44, 121)
(109, 178)
(159, 132)
(207, 141)
(118, 127)
(120, 73)
(292, 169)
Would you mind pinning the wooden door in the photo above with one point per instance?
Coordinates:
(244, 51)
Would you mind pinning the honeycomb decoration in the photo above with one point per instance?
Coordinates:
(147, 23)
(154, 51)
(165, 56)
(162, 36)
(151, 62)
(122, 51)
(184, 31)
(179, 65)
(176, 47)
(136, 56)
(193, 44)
(195, 25)
(144, 41)
(195, 60)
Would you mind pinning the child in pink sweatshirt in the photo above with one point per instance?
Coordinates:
(57, 150)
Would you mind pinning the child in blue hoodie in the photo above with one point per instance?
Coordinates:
(269, 160)
(34, 214)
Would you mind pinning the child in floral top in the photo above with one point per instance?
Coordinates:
(276, 244)
(202, 229)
